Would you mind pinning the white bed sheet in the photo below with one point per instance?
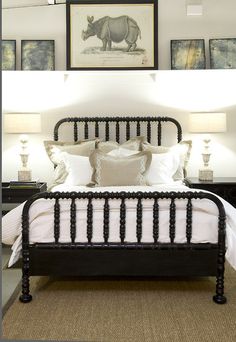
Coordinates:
(204, 227)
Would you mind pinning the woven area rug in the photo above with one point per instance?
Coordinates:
(107, 311)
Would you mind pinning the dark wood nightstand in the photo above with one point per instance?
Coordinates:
(222, 186)
(19, 195)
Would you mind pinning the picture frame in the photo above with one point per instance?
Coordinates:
(8, 54)
(188, 54)
(112, 35)
(37, 55)
(222, 53)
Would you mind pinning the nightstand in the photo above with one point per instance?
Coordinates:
(19, 195)
(222, 186)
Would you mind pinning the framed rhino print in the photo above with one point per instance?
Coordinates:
(112, 35)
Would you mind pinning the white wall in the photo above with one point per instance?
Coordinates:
(49, 22)
(173, 93)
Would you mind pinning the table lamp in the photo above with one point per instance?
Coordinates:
(207, 123)
(22, 123)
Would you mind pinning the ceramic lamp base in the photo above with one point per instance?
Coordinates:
(205, 175)
(24, 176)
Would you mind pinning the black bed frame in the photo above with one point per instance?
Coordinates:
(123, 259)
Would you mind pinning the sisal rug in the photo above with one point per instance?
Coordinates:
(112, 311)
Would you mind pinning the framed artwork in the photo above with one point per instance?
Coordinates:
(188, 54)
(112, 34)
(37, 55)
(223, 53)
(8, 54)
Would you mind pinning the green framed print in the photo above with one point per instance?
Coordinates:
(112, 34)
(223, 53)
(37, 55)
(8, 54)
(188, 54)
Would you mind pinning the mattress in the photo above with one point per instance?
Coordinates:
(204, 220)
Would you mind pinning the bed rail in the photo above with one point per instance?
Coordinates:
(189, 197)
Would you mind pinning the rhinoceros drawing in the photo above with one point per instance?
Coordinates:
(113, 30)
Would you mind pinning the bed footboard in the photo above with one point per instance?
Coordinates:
(123, 258)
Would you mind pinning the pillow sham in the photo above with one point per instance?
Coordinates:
(162, 168)
(131, 144)
(81, 147)
(54, 150)
(111, 171)
(78, 168)
(182, 149)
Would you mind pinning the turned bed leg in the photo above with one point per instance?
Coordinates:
(26, 296)
(219, 297)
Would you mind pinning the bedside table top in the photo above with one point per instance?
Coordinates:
(216, 180)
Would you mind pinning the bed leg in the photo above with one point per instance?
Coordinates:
(26, 296)
(219, 297)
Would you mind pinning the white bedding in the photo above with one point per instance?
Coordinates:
(204, 229)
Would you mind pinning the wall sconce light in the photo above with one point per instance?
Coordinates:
(21, 123)
(207, 123)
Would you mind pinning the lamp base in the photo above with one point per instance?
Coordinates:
(205, 175)
(24, 176)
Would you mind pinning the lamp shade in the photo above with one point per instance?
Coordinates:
(207, 122)
(22, 123)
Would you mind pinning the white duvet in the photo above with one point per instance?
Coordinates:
(204, 227)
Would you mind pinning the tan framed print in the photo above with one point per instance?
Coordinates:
(112, 34)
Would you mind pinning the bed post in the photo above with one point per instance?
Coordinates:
(219, 297)
(25, 296)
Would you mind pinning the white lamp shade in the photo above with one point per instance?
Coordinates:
(207, 122)
(22, 123)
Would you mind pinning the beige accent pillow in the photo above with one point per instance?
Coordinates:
(111, 171)
(131, 144)
(81, 147)
(183, 149)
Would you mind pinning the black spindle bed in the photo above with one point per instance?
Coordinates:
(123, 259)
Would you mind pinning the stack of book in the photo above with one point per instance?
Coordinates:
(20, 184)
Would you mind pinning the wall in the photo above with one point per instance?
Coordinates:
(173, 93)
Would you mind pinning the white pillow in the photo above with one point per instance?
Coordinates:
(121, 152)
(78, 168)
(162, 168)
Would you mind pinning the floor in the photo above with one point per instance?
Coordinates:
(10, 281)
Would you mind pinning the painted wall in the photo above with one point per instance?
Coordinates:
(168, 93)
(173, 93)
(49, 22)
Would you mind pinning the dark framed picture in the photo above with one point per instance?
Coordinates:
(8, 54)
(188, 54)
(112, 34)
(223, 53)
(37, 55)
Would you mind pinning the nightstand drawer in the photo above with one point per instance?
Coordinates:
(19, 195)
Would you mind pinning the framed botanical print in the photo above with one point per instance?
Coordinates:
(188, 54)
(112, 34)
(8, 54)
(37, 55)
(223, 53)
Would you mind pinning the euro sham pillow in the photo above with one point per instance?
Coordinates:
(133, 144)
(182, 150)
(112, 171)
(81, 147)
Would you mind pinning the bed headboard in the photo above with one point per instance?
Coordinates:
(121, 125)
